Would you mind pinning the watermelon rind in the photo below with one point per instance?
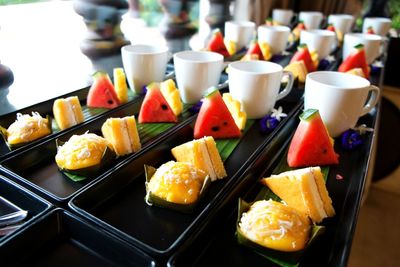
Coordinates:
(308, 114)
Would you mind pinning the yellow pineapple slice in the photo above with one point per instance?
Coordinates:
(235, 109)
(298, 69)
(315, 58)
(357, 72)
(266, 50)
(231, 46)
(171, 94)
(121, 88)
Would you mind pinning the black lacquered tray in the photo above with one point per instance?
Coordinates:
(62, 239)
(117, 204)
(22, 199)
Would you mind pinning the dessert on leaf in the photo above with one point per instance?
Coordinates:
(67, 112)
(122, 134)
(214, 118)
(155, 107)
(216, 43)
(83, 155)
(102, 92)
(273, 225)
(311, 144)
(171, 94)
(26, 129)
(120, 85)
(303, 190)
(357, 59)
(303, 54)
(234, 107)
(175, 185)
(203, 154)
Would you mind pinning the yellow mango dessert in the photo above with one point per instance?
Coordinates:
(171, 94)
(305, 190)
(82, 151)
(176, 182)
(234, 107)
(67, 112)
(27, 128)
(276, 226)
(122, 134)
(203, 154)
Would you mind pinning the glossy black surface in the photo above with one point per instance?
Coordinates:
(63, 239)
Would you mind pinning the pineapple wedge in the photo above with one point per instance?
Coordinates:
(298, 69)
(266, 50)
(231, 46)
(121, 88)
(171, 94)
(357, 72)
(234, 108)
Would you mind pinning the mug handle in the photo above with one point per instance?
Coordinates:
(372, 101)
(288, 87)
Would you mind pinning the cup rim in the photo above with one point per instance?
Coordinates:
(364, 83)
(365, 36)
(212, 56)
(310, 13)
(279, 28)
(319, 32)
(131, 49)
(243, 23)
(282, 9)
(341, 15)
(381, 19)
(275, 67)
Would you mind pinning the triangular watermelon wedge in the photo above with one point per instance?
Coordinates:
(102, 93)
(214, 118)
(155, 107)
(357, 59)
(311, 144)
(303, 53)
(216, 44)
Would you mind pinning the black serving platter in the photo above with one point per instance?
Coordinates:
(117, 204)
(217, 244)
(36, 169)
(63, 239)
(22, 199)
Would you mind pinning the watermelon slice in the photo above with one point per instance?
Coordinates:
(102, 93)
(331, 28)
(214, 118)
(216, 43)
(370, 30)
(357, 59)
(155, 107)
(311, 144)
(255, 49)
(303, 53)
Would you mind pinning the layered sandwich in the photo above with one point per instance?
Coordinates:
(304, 190)
(123, 135)
(67, 112)
(203, 154)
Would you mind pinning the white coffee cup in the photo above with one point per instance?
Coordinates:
(341, 22)
(311, 19)
(380, 26)
(241, 32)
(144, 64)
(282, 16)
(256, 84)
(340, 98)
(195, 72)
(372, 44)
(320, 40)
(275, 36)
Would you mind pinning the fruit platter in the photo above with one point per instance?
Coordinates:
(147, 180)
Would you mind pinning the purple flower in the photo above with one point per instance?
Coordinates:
(323, 64)
(144, 90)
(196, 107)
(277, 58)
(268, 124)
(351, 139)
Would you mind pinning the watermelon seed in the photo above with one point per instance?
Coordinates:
(110, 102)
(225, 123)
(215, 129)
(164, 107)
(324, 151)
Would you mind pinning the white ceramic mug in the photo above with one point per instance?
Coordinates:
(241, 32)
(323, 41)
(195, 72)
(311, 19)
(256, 84)
(144, 64)
(282, 16)
(340, 98)
(380, 26)
(275, 36)
(341, 22)
(372, 44)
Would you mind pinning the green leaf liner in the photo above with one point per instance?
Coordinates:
(88, 172)
(4, 133)
(152, 199)
(285, 259)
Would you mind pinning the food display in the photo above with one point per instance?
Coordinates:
(155, 107)
(274, 225)
(67, 112)
(357, 59)
(303, 54)
(255, 52)
(122, 134)
(216, 44)
(203, 154)
(102, 92)
(26, 129)
(214, 118)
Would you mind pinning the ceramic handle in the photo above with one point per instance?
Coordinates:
(373, 99)
(288, 87)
